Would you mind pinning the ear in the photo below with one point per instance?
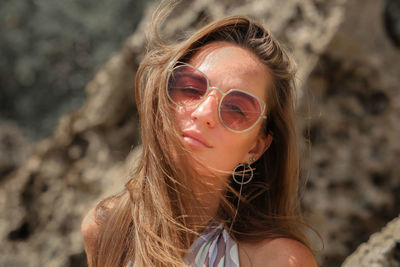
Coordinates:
(261, 145)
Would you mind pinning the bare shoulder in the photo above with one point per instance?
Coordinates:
(90, 228)
(90, 231)
(278, 252)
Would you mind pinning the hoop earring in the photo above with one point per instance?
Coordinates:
(246, 167)
(241, 171)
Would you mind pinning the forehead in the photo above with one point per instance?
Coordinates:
(230, 66)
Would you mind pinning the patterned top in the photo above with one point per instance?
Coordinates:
(214, 248)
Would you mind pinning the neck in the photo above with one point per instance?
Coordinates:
(206, 203)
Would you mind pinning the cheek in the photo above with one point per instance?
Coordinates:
(236, 149)
(241, 145)
(181, 115)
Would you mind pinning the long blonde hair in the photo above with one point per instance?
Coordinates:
(149, 222)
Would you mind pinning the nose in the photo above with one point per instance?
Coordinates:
(207, 110)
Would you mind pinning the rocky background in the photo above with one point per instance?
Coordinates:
(54, 167)
(353, 94)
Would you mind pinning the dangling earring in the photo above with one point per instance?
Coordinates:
(243, 169)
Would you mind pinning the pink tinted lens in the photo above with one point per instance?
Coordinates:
(239, 110)
(186, 86)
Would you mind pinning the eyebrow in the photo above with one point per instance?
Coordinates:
(189, 71)
(252, 99)
(243, 93)
(199, 76)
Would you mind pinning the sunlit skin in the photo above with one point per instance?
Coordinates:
(227, 66)
(278, 252)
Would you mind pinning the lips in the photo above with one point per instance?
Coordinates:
(195, 139)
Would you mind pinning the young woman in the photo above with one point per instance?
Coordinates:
(218, 176)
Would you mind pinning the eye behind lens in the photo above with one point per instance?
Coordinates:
(239, 110)
(186, 85)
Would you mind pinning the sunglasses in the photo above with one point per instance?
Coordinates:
(239, 111)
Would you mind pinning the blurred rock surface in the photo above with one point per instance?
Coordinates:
(353, 188)
(50, 49)
(381, 250)
(15, 149)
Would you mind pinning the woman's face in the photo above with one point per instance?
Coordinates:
(227, 66)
